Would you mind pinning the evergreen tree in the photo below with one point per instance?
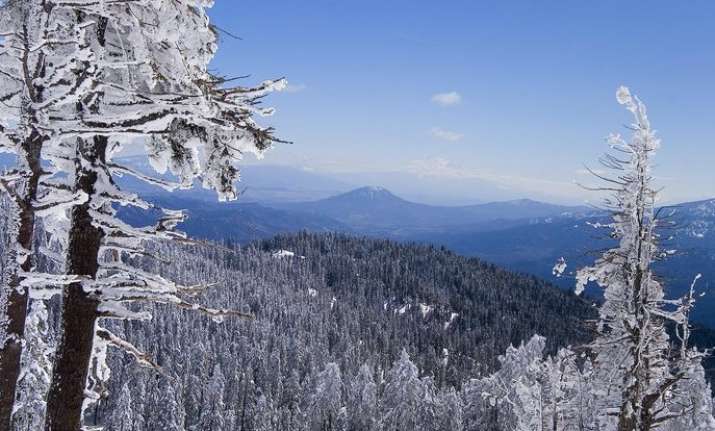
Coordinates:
(123, 416)
(514, 389)
(167, 409)
(264, 417)
(326, 400)
(569, 397)
(478, 406)
(449, 414)
(292, 395)
(213, 411)
(691, 405)
(403, 396)
(194, 403)
(363, 400)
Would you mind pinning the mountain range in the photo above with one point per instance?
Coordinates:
(522, 235)
(377, 210)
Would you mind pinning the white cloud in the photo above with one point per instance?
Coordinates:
(447, 99)
(446, 135)
(295, 88)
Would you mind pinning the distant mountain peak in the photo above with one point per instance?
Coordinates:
(524, 202)
(372, 193)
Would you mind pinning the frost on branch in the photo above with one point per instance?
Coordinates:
(639, 373)
(36, 370)
(140, 74)
(44, 73)
(155, 87)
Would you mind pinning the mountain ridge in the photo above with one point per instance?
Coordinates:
(377, 207)
(522, 235)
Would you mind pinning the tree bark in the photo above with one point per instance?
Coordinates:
(18, 297)
(79, 309)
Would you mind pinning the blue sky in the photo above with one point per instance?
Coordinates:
(527, 88)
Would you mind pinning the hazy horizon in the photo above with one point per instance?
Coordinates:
(514, 97)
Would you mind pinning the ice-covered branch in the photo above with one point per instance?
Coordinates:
(142, 358)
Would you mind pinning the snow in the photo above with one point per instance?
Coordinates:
(403, 309)
(373, 192)
(582, 279)
(698, 229)
(623, 95)
(559, 268)
(448, 323)
(35, 374)
(283, 253)
(425, 309)
(280, 254)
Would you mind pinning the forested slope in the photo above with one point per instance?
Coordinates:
(338, 299)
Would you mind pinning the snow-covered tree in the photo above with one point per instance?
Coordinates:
(478, 412)
(123, 416)
(637, 371)
(326, 400)
(449, 411)
(264, 415)
(363, 400)
(152, 86)
(292, 390)
(428, 413)
(566, 386)
(41, 53)
(530, 392)
(692, 404)
(36, 367)
(214, 410)
(167, 408)
(193, 399)
(515, 388)
(404, 397)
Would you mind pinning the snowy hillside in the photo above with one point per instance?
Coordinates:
(366, 300)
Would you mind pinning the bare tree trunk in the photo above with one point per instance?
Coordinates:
(79, 310)
(18, 298)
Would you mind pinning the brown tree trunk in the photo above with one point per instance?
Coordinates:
(18, 298)
(79, 310)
